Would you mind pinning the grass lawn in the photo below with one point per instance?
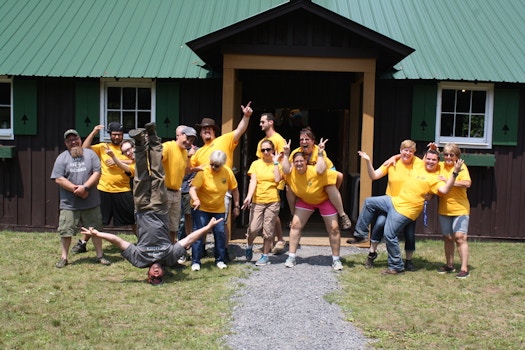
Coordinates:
(87, 305)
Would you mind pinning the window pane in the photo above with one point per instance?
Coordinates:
(448, 100)
(477, 126)
(128, 121)
(144, 98)
(144, 117)
(478, 101)
(113, 117)
(5, 94)
(114, 97)
(128, 98)
(447, 125)
(463, 101)
(5, 118)
(462, 125)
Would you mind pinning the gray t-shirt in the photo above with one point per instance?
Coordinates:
(77, 171)
(154, 244)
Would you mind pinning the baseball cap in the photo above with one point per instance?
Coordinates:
(189, 131)
(69, 132)
(115, 127)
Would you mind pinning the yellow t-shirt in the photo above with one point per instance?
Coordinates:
(455, 203)
(312, 160)
(212, 186)
(399, 174)
(411, 198)
(278, 143)
(112, 178)
(225, 143)
(310, 185)
(174, 161)
(266, 190)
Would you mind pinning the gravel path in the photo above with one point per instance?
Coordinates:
(285, 308)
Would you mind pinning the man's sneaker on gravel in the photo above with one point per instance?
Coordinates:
(61, 263)
(195, 267)
(79, 247)
(409, 266)
(462, 274)
(290, 261)
(337, 265)
(370, 260)
(103, 261)
(446, 269)
(263, 261)
(249, 254)
(221, 265)
(346, 224)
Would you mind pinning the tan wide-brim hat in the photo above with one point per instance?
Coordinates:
(207, 122)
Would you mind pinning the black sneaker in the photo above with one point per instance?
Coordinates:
(409, 266)
(370, 260)
(79, 247)
(446, 269)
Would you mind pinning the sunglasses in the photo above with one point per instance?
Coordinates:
(215, 166)
(266, 149)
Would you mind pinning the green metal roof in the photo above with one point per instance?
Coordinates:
(481, 40)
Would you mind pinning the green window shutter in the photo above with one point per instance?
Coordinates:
(167, 110)
(424, 106)
(87, 106)
(25, 106)
(505, 123)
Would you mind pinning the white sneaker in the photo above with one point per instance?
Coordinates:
(195, 267)
(337, 265)
(182, 260)
(221, 265)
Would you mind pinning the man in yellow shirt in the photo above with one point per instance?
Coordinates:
(175, 162)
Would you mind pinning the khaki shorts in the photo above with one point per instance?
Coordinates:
(69, 220)
(174, 198)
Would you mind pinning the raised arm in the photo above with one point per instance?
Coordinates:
(243, 124)
(374, 174)
(320, 166)
(450, 181)
(89, 139)
(285, 162)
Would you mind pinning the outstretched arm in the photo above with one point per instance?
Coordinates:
(111, 238)
(187, 241)
(374, 174)
(89, 139)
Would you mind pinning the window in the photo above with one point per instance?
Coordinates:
(130, 102)
(6, 110)
(465, 114)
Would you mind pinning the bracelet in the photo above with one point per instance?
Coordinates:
(320, 154)
(455, 174)
(86, 188)
(275, 163)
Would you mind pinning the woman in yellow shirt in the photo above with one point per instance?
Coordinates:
(309, 187)
(454, 211)
(263, 199)
(207, 200)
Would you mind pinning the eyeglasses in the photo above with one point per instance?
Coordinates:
(266, 149)
(73, 139)
(127, 150)
(448, 154)
(215, 165)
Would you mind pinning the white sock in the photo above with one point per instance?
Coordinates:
(334, 258)
(292, 255)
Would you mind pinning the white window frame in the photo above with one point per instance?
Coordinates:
(484, 142)
(8, 133)
(136, 83)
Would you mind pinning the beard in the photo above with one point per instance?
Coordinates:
(76, 152)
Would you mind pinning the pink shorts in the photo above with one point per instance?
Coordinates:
(325, 209)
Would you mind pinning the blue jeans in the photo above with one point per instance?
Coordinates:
(201, 219)
(394, 223)
(409, 232)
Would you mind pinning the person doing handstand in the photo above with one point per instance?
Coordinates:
(154, 248)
